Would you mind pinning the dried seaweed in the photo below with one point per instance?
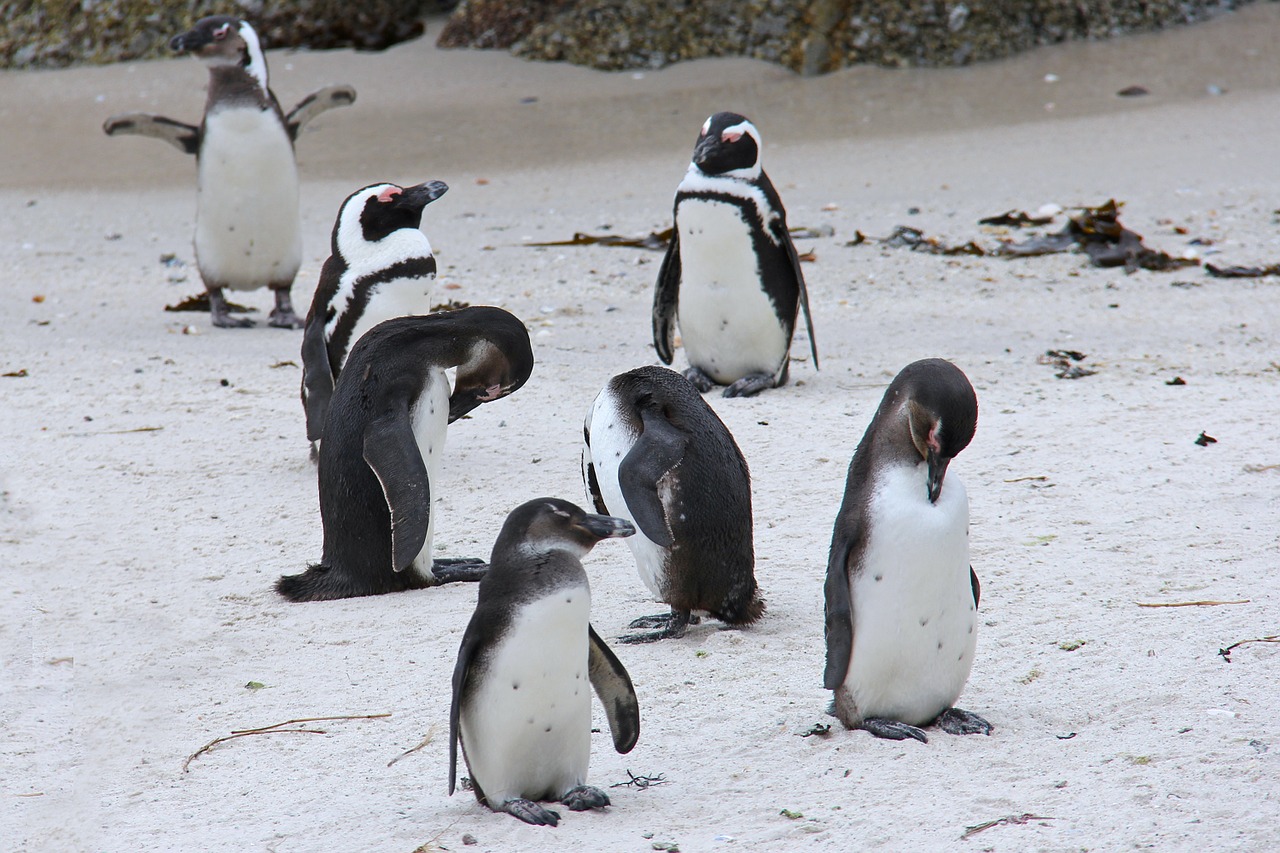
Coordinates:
(656, 241)
(1061, 359)
(200, 302)
(906, 237)
(1011, 820)
(1016, 219)
(1242, 272)
(1204, 439)
(1098, 232)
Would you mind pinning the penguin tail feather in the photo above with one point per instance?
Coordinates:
(735, 613)
(317, 583)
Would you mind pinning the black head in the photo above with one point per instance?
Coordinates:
(551, 524)
(941, 410)
(370, 214)
(498, 361)
(728, 143)
(223, 40)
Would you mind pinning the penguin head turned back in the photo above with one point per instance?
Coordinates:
(371, 214)
(224, 40)
(941, 410)
(498, 362)
(728, 145)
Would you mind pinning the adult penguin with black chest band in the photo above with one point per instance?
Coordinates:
(731, 275)
(901, 597)
(380, 458)
(381, 266)
(248, 227)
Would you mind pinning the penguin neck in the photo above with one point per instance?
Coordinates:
(235, 85)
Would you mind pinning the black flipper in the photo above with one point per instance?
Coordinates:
(659, 448)
(317, 376)
(392, 453)
(470, 642)
(977, 587)
(613, 685)
(316, 103)
(184, 137)
(665, 298)
(783, 237)
(839, 605)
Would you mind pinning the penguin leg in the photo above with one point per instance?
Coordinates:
(585, 797)
(283, 316)
(221, 313)
(955, 721)
(458, 569)
(530, 812)
(892, 729)
(750, 385)
(700, 380)
(670, 625)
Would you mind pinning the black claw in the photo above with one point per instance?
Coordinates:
(700, 380)
(893, 730)
(585, 797)
(531, 812)
(670, 626)
(959, 722)
(749, 386)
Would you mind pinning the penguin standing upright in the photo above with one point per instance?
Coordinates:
(380, 459)
(731, 275)
(901, 597)
(381, 267)
(248, 229)
(657, 455)
(521, 704)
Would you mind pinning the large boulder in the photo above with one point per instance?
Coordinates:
(51, 33)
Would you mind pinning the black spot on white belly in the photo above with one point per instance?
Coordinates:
(515, 685)
(939, 645)
(879, 577)
(548, 730)
(924, 620)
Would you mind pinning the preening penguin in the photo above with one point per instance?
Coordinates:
(657, 455)
(380, 267)
(521, 705)
(901, 597)
(379, 461)
(248, 230)
(731, 275)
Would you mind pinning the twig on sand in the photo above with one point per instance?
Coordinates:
(1024, 479)
(431, 734)
(1226, 653)
(1191, 603)
(275, 729)
(640, 781)
(1004, 821)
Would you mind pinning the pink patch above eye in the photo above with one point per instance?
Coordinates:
(221, 32)
(731, 135)
(388, 194)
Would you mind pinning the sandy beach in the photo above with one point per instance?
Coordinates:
(155, 481)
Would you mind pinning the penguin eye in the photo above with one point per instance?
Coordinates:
(221, 32)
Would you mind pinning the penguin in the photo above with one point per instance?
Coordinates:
(381, 267)
(657, 455)
(731, 274)
(380, 458)
(248, 229)
(521, 705)
(901, 596)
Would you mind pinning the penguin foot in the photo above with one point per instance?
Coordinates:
(955, 721)
(749, 386)
(530, 812)
(585, 797)
(458, 570)
(224, 320)
(892, 729)
(670, 626)
(283, 316)
(700, 380)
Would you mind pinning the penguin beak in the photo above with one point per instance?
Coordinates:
(416, 198)
(937, 470)
(606, 526)
(705, 148)
(189, 41)
(466, 399)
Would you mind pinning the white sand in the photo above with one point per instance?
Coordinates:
(137, 600)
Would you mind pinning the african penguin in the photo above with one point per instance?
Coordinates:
(521, 704)
(380, 459)
(381, 267)
(248, 229)
(731, 276)
(901, 597)
(657, 455)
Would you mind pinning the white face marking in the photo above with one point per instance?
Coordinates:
(706, 125)
(257, 62)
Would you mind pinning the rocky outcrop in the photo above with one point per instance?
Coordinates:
(52, 33)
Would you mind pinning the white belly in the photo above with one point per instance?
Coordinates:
(430, 421)
(915, 628)
(527, 727)
(248, 233)
(611, 440)
(729, 327)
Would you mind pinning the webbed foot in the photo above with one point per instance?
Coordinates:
(585, 797)
(283, 316)
(670, 625)
(700, 380)
(955, 721)
(221, 313)
(750, 385)
(530, 812)
(892, 729)
(458, 570)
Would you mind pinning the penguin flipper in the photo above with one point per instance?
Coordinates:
(781, 234)
(392, 453)
(613, 685)
(665, 297)
(184, 137)
(659, 448)
(317, 377)
(839, 603)
(316, 103)
(977, 587)
(470, 642)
